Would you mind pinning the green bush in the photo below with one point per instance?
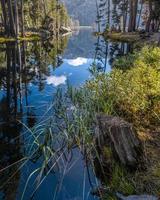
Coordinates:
(133, 94)
(149, 56)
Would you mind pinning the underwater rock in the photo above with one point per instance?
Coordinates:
(121, 137)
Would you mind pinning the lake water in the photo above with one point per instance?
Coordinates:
(30, 74)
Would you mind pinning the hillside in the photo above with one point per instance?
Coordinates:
(83, 10)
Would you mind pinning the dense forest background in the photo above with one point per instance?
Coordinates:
(129, 15)
(18, 16)
(82, 10)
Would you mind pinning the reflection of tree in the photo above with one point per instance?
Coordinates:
(9, 153)
(21, 63)
(107, 52)
(58, 47)
(80, 45)
(41, 54)
(119, 49)
(10, 109)
(101, 54)
(24, 63)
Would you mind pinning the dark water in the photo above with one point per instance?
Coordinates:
(30, 74)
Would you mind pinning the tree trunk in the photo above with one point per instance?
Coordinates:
(5, 21)
(125, 11)
(133, 15)
(150, 17)
(16, 18)
(109, 12)
(120, 136)
(22, 19)
(140, 14)
(98, 18)
(12, 30)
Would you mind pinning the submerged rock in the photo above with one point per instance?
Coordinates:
(137, 197)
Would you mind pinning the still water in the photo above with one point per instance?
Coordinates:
(30, 74)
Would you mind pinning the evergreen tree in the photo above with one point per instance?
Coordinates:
(20, 15)
(128, 15)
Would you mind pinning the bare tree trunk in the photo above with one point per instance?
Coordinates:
(133, 15)
(130, 17)
(12, 30)
(125, 11)
(135, 8)
(150, 16)
(98, 18)
(16, 17)
(109, 7)
(22, 19)
(140, 14)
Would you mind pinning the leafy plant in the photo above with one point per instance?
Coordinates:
(133, 94)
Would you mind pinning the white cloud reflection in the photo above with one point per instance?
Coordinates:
(56, 80)
(77, 62)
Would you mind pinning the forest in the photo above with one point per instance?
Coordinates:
(130, 15)
(79, 99)
(19, 17)
(139, 17)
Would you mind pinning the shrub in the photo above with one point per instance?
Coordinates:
(133, 94)
(149, 56)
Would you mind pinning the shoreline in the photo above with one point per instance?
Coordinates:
(28, 36)
(153, 38)
(33, 36)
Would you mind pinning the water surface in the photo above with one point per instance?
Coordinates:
(30, 74)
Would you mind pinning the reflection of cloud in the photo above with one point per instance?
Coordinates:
(56, 80)
(77, 62)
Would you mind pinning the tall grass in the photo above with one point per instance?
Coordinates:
(68, 124)
(133, 94)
